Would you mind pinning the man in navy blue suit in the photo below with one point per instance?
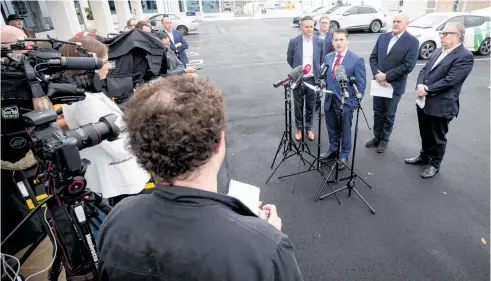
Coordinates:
(354, 66)
(439, 85)
(178, 44)
(303, 50)
(394, 56)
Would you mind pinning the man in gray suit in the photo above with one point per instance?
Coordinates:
(174, 65)
(303, 50)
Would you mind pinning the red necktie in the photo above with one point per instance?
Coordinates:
(336, 63)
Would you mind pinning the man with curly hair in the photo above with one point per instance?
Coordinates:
(186, 230)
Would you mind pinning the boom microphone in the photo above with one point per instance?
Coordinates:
(293, 75)
(306, 69)
(342, 79)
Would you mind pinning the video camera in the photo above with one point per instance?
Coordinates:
(38, 74)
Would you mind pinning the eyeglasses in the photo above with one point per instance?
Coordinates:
(324, 22)
(445, 34)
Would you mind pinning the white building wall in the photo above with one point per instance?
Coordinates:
(103, 21)
(64, 18)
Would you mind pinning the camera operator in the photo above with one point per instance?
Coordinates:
(113, 170)
(185, 230)
(144, 26)
(175, 66)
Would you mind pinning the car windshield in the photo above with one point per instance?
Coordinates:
(428, 21)
(333, 9)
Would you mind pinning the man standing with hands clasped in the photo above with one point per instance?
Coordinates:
(393, 58)
(438, 91)
(303, 50)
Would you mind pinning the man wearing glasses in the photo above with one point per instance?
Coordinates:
(325, 34)
(438, 89)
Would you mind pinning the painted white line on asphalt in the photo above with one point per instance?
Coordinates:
(192, 54)
(195, 62)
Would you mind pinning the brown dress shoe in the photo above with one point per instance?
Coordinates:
(310, 135)
(382, 147)
(372, 143)
(298, 135)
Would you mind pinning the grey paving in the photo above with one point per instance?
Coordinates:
(423, 229)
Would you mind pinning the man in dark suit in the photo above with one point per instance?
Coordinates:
(303, 50)
(325, 34)
(178, 44)
(438, 89)
(393, 58)
(354, 66)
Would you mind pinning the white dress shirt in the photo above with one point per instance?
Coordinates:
(343, 54)
(308, 55)
(393, 41)
(443, 55)
(171, 36)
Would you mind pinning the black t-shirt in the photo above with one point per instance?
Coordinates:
(180, 233)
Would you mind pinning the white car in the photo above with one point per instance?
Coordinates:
(182, 23)
(427, 28)
(316, 13)
(368, 18)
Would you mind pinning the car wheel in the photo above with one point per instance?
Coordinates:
(484, 48)
(375, 26)
(184, 30)
(426, 49)
(334, 25)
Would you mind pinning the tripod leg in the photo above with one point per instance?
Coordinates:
(282, 143)
(325, 182)
(282, 160)
(371, 209)
(298, 170)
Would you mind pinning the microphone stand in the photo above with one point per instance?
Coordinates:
(351, 179)
(289, 147)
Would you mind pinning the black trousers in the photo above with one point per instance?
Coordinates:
(303, 95)
(433, 131)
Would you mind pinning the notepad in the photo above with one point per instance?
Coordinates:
(246, 193)
(377, 90)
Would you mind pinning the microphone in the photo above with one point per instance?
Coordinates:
(352, 82)
(323, 71)
(305, 71)
(341, 77)
(293, 75)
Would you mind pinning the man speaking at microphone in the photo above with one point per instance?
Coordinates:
(305, 50)
(354, 66)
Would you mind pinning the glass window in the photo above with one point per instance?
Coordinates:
(35, 13)
(78, 10)
(149, 6)
(428, 21)
(472, 21)
(332, 9)
(192, 5)
(112, 7)
(171, 16)
(364, 10)
(157, 18)
(353, 11)
(459, 19)
(210, 6)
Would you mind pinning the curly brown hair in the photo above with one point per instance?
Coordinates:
(174, 125)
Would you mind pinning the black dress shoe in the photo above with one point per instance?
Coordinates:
(430, 172)
(418, 160)
(327, 156)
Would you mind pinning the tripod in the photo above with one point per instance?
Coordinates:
(350, 185)
(290, 148)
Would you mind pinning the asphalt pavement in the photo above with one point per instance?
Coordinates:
(434, 229)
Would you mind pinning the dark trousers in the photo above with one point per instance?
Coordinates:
(332, 111)
(303, 95)
(384, 111)
(433, 131)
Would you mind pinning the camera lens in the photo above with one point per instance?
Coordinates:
(94, 133)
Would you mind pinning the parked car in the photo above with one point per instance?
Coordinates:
(182, 23)
(363, 17)
(316, 13)
(427, 28)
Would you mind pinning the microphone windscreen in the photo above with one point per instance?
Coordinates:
(295, 73)
(306, 69)
(340, 73)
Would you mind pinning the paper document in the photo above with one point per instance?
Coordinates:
(421, 102)
(246, 193)
(378, 90)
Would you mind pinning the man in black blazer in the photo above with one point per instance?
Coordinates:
(393, 58)
(438, 90)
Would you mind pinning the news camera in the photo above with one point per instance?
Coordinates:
(73, 208)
